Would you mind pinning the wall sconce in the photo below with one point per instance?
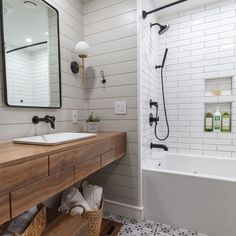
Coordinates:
(82, 49)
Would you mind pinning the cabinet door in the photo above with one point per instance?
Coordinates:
(4, 209)
(20, 175)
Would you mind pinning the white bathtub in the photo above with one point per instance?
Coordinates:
(192, 192)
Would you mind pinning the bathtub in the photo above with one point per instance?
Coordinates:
(192, 192)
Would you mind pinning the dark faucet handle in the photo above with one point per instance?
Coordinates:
(50, 117)
(152, 103)
(35, 120)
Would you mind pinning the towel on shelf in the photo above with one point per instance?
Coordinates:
(20, 223)
(92, 195)
(70, 198)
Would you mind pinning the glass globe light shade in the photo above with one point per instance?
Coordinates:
(82, 48)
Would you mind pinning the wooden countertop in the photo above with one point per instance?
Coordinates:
(12, 153)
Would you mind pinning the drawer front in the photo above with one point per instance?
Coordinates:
(86, 168)
(4, 209)
(113, 155)
(68, 159)
(118, 140)
(18, 176)
(38, 192)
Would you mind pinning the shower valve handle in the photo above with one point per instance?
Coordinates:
(152, 103)
(153, 119)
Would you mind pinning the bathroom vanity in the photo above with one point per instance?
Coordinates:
(30, 174)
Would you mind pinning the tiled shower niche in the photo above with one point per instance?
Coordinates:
(218, 87)
(223, 107)
(219, 94)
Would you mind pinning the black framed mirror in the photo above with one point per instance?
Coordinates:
(30, 53)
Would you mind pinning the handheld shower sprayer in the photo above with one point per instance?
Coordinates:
(163, 98)
(163, 61)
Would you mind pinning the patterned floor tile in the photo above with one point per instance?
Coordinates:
(132, 230)
(162, 234)
(146, 225)
(119, 219)
(147, 228)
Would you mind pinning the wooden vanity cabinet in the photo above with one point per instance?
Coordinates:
(23, 174)
(31, 174)
(40, 191)
(113, 155)
(74, 157)
(4, 208)
(88, 167)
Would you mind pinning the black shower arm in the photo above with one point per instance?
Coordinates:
(145, 13)
(152, 24)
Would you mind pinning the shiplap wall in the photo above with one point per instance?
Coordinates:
(202, 45)
(16, 122)
(111, 30)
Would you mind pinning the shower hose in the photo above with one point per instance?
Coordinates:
(164, 105)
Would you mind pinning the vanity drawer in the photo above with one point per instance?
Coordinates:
(38, 192)
(4, 209)
(88, 167)
(20, 175)
(118, 140)
(68, 159)
(113, 155)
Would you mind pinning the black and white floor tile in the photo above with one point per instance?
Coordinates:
(147, 228)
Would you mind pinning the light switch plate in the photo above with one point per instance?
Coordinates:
(75, 116)
(120, 108)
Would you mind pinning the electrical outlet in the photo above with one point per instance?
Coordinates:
(120, 107)
(75, 116)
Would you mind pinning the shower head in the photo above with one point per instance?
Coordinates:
(163, 28)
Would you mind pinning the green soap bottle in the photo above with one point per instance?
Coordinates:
(226, 122)
(208, 122)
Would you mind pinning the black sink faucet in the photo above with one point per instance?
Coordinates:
(164, 147)
(47, 119)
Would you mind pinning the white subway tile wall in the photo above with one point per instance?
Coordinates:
(39, 73)
(148, 41)
(19, 77)
(111, 30)
(202, 45)
(16, 122)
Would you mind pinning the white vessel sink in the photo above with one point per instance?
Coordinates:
(54, 139)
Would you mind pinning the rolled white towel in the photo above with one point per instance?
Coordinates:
(70, 198)
(93, 196)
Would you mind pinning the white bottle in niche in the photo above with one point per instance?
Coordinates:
(217, 120)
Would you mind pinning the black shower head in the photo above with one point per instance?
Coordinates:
(163, 28)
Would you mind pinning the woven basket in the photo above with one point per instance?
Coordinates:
(35, 228)
(94, 218)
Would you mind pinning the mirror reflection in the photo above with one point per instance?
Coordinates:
(32, 65)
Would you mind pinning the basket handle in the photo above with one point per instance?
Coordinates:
(77, 205)
(81, 184)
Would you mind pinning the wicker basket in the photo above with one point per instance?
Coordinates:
(94, 218)
(35, 228)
